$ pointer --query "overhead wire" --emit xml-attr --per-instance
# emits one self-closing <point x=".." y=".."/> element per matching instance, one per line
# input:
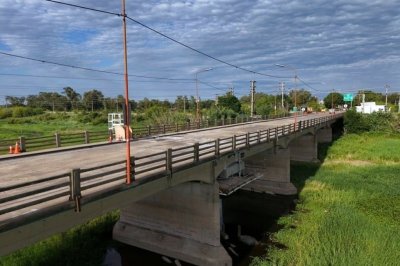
<point x="84" y="68"/>
<point x="170" y="38"/>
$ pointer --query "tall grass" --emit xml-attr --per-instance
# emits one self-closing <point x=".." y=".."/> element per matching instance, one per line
<point x="349" y="211"/>
<point x="83" y="245"/>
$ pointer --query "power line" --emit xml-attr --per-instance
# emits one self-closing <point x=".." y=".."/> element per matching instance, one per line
<point x="84" y="68"/>
<point x="170" y="38"/>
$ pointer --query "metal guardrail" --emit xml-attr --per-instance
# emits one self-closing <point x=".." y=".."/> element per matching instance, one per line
<point x="69" y="139"/>
<point x="72" y="186"/>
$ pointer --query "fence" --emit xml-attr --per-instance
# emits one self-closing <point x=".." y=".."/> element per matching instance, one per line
<point x="72" y="186"/>
<point x="69" y="139"/>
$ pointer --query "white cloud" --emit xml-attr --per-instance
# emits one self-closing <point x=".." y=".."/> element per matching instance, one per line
<point x="325" y="40"/>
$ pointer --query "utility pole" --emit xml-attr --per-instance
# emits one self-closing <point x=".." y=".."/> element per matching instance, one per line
<point x="252" y="96"/>
<point x="127" y="109"/>
<point x="184" y="104"/>
<point x="386" y="96"/>
<point x="282" y="89"/>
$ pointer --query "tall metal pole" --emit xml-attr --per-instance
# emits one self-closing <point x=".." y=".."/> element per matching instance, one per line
<point x="252" y="97"/>
<point x="282" y="88"/>
<point x="127" y="109"/>
<point x="197" y="101"/>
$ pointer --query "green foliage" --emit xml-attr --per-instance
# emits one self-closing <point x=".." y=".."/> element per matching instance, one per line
<point x="83" y="245"/>
<point x="229" y="101"/>
<point x="376" y="122"/>
<point x="26" y="111"/>
<point x="335" y="98"/>
<point x="348" y="212"/>
<point x="5" y="112"/>
<point x="220" y="113"/>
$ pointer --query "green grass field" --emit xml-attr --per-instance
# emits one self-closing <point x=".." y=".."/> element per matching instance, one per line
<point x="348" y="211"/>
<point x="45" y="125"/>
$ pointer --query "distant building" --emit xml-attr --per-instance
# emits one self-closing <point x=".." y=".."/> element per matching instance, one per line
<point x="369" y="107"/>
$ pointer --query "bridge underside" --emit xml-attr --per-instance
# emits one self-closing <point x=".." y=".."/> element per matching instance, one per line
<point x="181" y="222"/>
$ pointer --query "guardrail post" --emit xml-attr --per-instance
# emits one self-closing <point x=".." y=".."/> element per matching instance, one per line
<point x="207" y="123"/>
<point x="187" y="125"/>
<point x="268" y="135"/>
<point x="58" y="140"/>
<point x="234" y="142"/>
<point x="177" y="127"/>
<point x="276" y="133"/>
<point x="196" y="152"/>
<point x="148" y="130"/>
<point x="133" y="165"/>
<point x="86" y="136"/>
<point x="236" y="120"/>
<point x="111" y="134"/>
<point x="217" y="147"/>
<point x="22" y="143"/>
<point x="168" y="162"/>
<point x="223" y="121"/>
<point x="215" y="122"/>
<point x="247" y="140"/>
<point x="259" y="136"/>
<point x="163" y="129"/>
<point x="75" y="188"/>
<point x="300" y="126"/>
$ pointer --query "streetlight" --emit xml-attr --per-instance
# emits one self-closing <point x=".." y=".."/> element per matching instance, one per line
<point x="295" y="85"/>
<point x="197" y="93"/>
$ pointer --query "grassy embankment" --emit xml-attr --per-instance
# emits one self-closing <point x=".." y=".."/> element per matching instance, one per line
<point x="48" y="124"/>
<point x="83" y="245"/>
<point x="349" y="211"/>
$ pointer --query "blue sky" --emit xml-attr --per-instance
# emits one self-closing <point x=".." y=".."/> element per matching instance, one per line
<point x="334" y="45"/>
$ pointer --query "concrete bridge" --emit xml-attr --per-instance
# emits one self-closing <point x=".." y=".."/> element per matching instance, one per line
<point x="173" y="205"/>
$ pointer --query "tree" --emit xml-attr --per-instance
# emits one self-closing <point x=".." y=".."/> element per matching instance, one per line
<point x="93" y="100"/>
<point x="15" y="101"/>
<point x="229" y="101"/>
<point x="72" y="96"/>
<point x="334" y="98"/>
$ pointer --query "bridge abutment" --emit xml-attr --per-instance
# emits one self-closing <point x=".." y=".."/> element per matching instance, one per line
<point x="274" y="166"/>
<point x="182" y="222"/>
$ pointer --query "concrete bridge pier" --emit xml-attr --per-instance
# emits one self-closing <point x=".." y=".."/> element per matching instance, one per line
<point x="274" y="166"/>
<point x="304" y="149"/>
<point x="182" y="222"/>
<point x="324" y="135"/>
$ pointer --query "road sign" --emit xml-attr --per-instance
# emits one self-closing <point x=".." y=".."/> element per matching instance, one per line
<point x="348" y="97"/>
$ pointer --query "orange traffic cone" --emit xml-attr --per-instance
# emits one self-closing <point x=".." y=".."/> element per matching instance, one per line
<point x="11" y="150"/>
<point x="17" y="150"/>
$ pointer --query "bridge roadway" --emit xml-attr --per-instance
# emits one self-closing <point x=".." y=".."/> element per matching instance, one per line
<point x="23" y="168"/>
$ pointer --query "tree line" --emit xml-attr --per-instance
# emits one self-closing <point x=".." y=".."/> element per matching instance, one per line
<point x="225" y="105"/>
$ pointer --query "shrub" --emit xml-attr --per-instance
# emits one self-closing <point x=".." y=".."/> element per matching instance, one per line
<point x="5" y="112"/>
<point x="376" y="122"/>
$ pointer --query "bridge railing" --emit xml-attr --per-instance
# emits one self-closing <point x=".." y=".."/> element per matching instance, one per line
<point x="70" y="187"/>
<point x="58" y="140"/>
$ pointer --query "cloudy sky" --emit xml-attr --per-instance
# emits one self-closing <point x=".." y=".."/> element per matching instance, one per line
<point x="333" y="45"/>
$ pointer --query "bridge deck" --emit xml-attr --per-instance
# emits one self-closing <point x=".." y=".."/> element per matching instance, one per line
<point x="20" y="169"/>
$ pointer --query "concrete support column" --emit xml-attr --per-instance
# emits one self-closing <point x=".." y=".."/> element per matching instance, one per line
<point x="181" y="222"/>
<point x="274" y="167"/>
<point x="324" y="135"/>
<point x="304" y="149"/>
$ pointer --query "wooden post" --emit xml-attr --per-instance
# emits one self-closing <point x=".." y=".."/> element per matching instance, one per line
<point x="58" y="140"/>
<point x="133" y="174"/>
<point x="234" y="142"/>
<point x="268" y="135"/>
<point x="163" y="130"/>
<point x="148" y="130"/>
<point x="259" y="136"/>
<point x="247" y="140"/>
<point x="22" y="143"/>
<point x="177" y="127"/>
<point x="86" y="136"/>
